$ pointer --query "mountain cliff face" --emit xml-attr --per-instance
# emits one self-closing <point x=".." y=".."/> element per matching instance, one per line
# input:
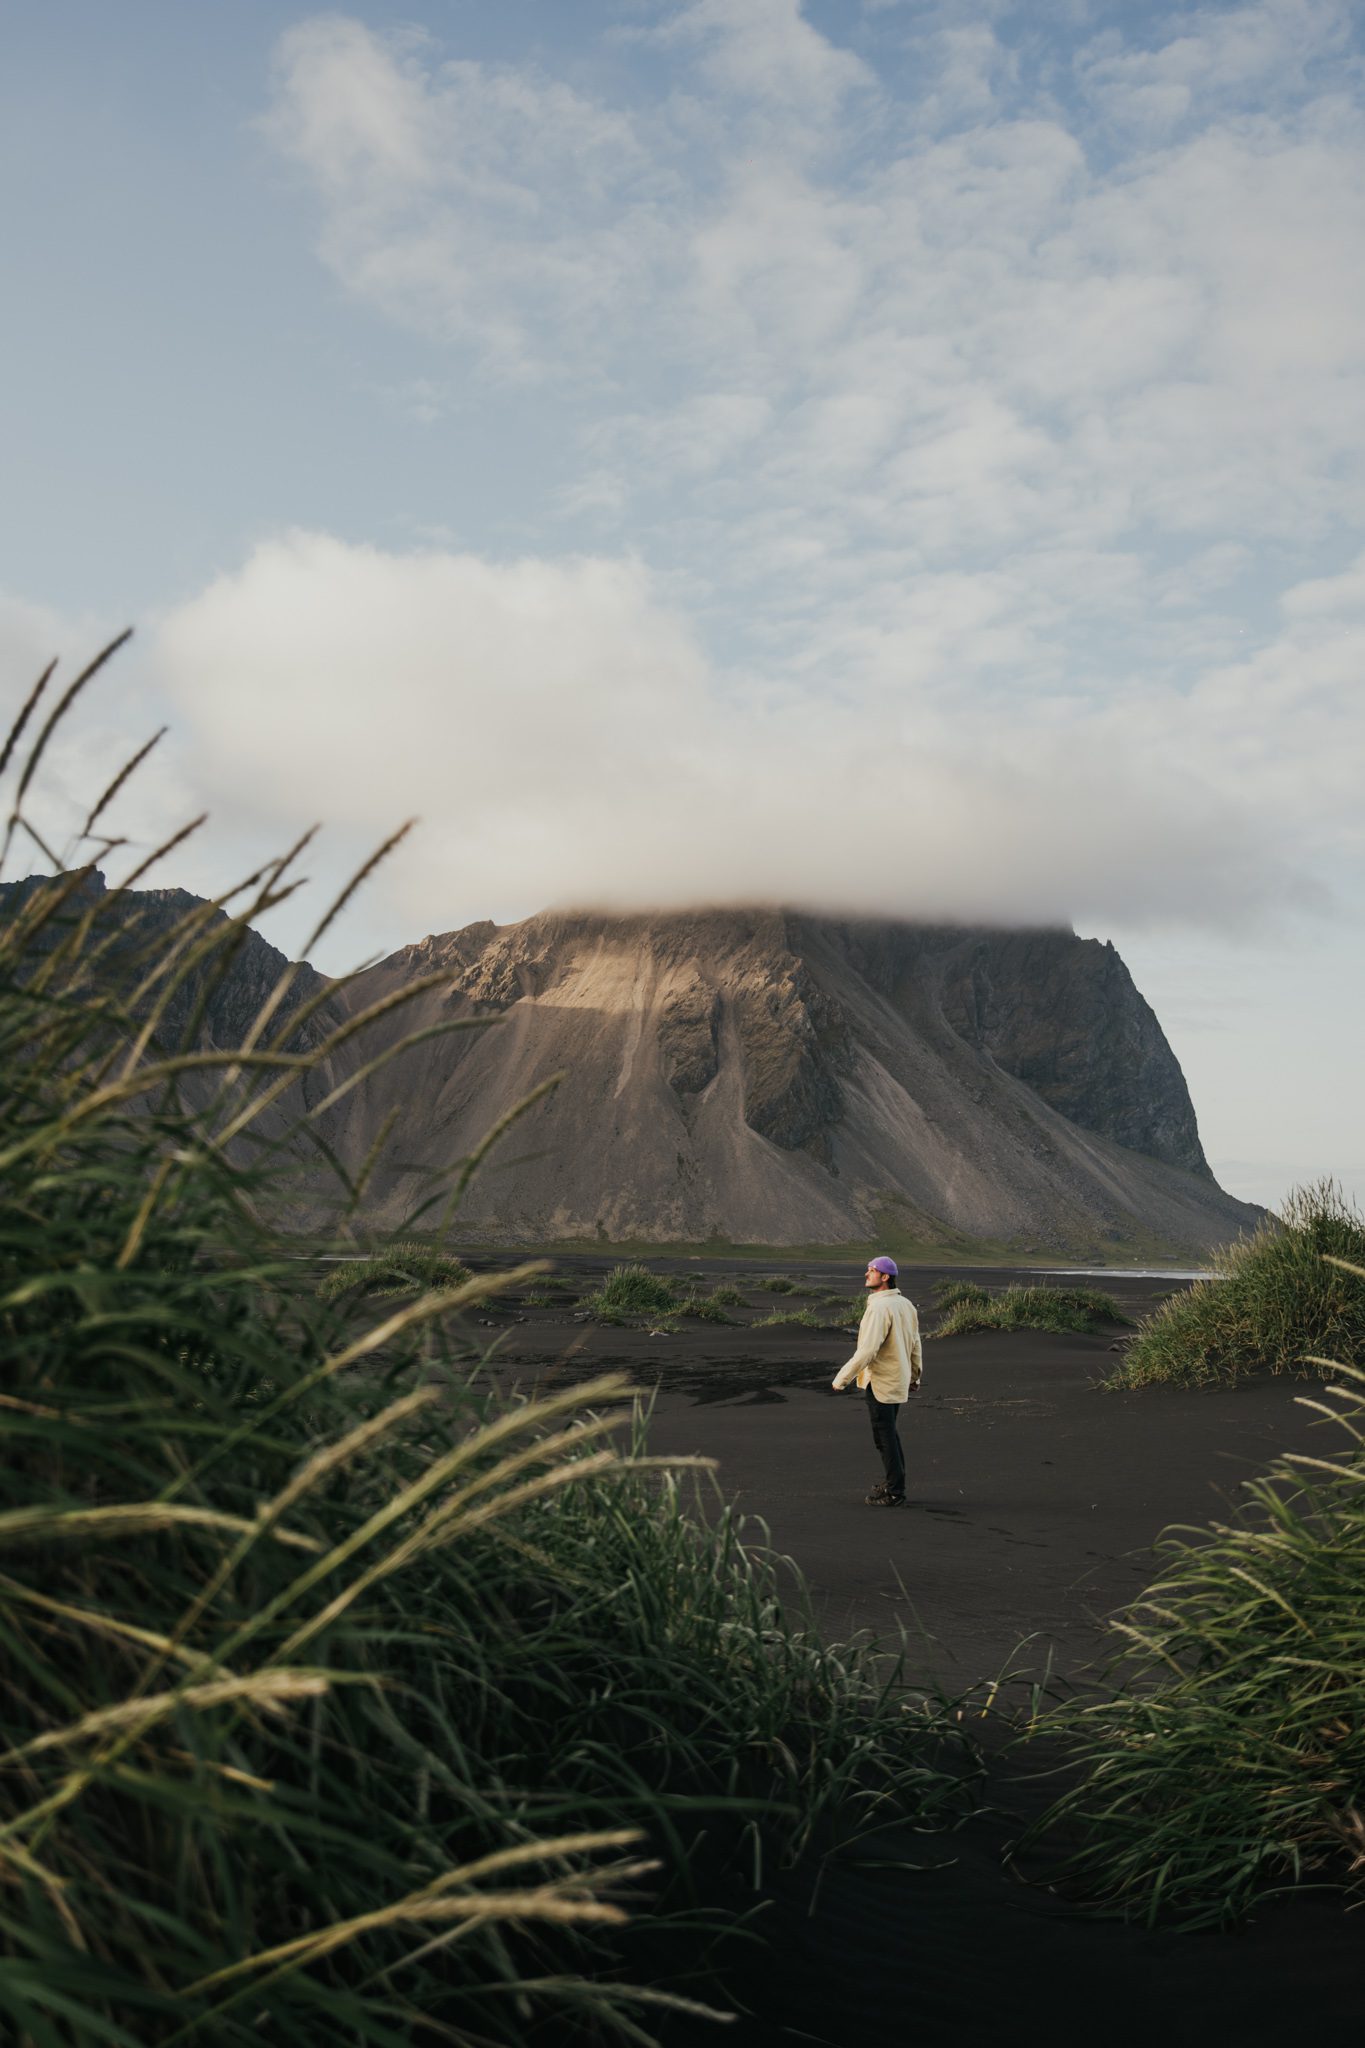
<point x="216" y="997"/>
<point x="761" y="1077"/>
<point x="773" y="1077"/>
<point x="160" y="953"/>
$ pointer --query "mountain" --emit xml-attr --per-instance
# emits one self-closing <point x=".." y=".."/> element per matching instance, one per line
<point x="160" y="953"/>
<point x="760" y="1077"/>
<point x="771" y="1077"/>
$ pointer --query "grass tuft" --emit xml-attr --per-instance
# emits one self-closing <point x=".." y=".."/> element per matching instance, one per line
<point x="957" y="1293"/>
<point x="1277" y="1303"/>
<point x="632" y="1290"/>
<point x="1228" y="1763"/>
<point x="797" y="1319"/>
<point x="401" y="1268"/>
<point x="704" y="1307"/>
<point x="1079" y="1309"/>
<point x="342" y="1700"/>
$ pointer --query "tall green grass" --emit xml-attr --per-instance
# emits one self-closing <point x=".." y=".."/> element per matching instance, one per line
<point x="1229" y="1762"/>
<point x="1079" y="1309"/>
<point x="403" y="1267"/>
<point x="1279" y="1299"/>
<point x="341" y="1703"/>
<point x="953" y="1293"/>
<point x="633" y="1290"/>
<point x="704" y="1308"/>
<point x="803" y="1319"/>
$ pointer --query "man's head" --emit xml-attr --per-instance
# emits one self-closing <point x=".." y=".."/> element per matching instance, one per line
<point x="881" y="1273"/>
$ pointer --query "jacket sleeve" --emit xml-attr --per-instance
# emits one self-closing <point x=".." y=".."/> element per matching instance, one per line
<point x="917" y="1356"/>
<point x="871" y="1336"/>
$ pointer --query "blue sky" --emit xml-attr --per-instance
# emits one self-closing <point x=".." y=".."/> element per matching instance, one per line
<point x="886" y="456"/>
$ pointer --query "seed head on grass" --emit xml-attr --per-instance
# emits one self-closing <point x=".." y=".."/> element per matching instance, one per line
<point x="525" y="1652"/>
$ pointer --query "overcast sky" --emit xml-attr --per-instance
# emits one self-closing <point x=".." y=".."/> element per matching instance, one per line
<point x="872" y="454"/>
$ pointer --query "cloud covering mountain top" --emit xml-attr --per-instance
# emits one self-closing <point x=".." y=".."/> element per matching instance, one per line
<point x="565" y="739"/>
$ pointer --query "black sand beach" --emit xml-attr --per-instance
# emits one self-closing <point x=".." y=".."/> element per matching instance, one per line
<point x="1036" y="1498"/>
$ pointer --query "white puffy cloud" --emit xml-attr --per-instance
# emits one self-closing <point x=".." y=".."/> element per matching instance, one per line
<point x="982" y="335"/>
<point x="566" y="739"/>
<point x="991" y="416"/>
<point x="1213" y="58"/>
<point x="110" y="720"/>
<point x="766" y="50"/>
<point x="470" y="201"/>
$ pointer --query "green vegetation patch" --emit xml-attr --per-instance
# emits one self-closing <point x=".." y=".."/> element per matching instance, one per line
<point x="401" y="1268"/>
<point x="350" y="1706"/>
<point x="957" y="1293"/>
<point x="1228" y="1763"/>
<point x="704" y="1308"/>
<point x="632" y="1290"/>
<point x="1279" y="1306"/>
<point x="795" y="1319"/>
<point x="1080" y="1309"/>
<point x="727" y="1297"/>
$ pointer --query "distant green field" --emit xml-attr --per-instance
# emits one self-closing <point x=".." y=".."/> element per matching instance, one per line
<point x="951" y="1253"/>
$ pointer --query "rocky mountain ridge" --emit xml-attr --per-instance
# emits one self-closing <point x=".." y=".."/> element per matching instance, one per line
<point x="766" y="1077"/>
<point x="774" y="1077"/>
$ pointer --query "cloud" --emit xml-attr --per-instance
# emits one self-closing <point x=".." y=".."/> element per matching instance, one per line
<point x="566" y="739"/>
<point x="469" y="201"/>
<point x="1007" y="412"/>
<point x="767" y="51"/>
<point x="1212" y="59"/>
<point x="112" y="718"/>
<point x="31" y="636"/>
<point x="968" y="65"/>
<point x="1025" y="336"/>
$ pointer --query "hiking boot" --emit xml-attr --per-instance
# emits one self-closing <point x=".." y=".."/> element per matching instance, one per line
<point x="882" y="1499"/>
<point x="877" y="1495"/>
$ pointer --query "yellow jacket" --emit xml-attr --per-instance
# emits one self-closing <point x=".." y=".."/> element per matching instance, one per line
<point x="889" y="1357"/>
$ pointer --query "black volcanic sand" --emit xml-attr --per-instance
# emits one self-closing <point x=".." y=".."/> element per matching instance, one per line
<point x="1034" y="1495"/>
<point x="1036" y="1498"/>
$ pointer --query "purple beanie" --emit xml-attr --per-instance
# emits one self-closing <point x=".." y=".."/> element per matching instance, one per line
<point x="887" y="1266"/>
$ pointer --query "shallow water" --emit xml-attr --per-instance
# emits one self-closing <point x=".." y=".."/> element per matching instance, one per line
<point x="1123" y="1272"/>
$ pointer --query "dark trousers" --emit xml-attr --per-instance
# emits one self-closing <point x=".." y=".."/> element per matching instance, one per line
<point x="883" y="1417"/>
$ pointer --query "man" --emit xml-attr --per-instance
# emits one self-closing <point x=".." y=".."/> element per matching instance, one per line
<point x="889" y="1365"/>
